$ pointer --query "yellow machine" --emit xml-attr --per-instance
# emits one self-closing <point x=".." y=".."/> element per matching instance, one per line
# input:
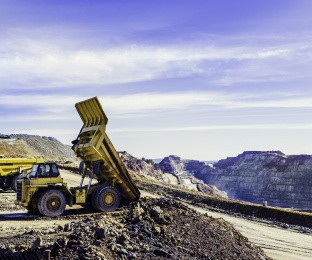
<point x="12" y="168"/>
<point x="43" y="189"/>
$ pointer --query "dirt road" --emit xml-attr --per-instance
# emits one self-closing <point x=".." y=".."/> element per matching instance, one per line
<point x="278" y="243"/>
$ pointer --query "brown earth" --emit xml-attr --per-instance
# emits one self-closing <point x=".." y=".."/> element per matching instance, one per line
<point x="153" y="228"/>
<point x="18" y="232"/>
<point x="149" y="229"/>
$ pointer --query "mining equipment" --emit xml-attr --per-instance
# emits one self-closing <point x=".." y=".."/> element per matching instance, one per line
<point x="12" y="168"/>
<point x="44" y="190"/>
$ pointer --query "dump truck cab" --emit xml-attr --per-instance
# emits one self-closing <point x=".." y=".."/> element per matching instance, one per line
<point x="32" y="189"/>
<point x="44" y="170"/>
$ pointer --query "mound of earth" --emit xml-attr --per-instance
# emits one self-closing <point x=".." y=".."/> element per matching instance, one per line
<point x="149" y="229"/>
<point x="33" y="146"/>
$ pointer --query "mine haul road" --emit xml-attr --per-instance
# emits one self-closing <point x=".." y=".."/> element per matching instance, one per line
<point x="277" y="242"/>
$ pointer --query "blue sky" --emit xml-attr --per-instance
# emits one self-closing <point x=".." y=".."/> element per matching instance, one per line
<point x="200" y="79"/>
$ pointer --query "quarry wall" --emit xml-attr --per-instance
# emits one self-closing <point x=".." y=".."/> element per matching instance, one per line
<point x="256" y="176"/>
<point x="281" y="180"/>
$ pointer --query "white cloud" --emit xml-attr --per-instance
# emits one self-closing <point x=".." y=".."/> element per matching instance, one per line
<point x="57" y="132"/>
<point x="215" y="127"/>
<point x="59" y="107"/>
<point x="273" y="53"/>
<point x="32" y="63"/>
<point x="186" y="101"/>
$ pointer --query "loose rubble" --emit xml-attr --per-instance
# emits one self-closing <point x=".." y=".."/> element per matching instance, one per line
<point x="148" y="229"/>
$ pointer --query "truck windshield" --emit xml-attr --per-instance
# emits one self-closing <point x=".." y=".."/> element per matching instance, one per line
<point x="33" y="171"/>
<point x="54" y="171"/>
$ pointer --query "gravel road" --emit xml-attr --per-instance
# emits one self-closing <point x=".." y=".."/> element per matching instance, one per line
<point x="278" y="243"/>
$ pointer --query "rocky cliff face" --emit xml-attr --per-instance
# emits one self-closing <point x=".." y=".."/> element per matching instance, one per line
<point x="186" y="171"/>
<point x="142" y="168"/>
<point x="176" y="165"/>
<point x="281" y="180"/>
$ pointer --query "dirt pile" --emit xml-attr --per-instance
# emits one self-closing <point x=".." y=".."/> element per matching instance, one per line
<point x="149" y="229"/>
<point x="32" y="146"/>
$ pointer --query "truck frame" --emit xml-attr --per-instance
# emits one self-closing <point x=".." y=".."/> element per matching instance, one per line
<point x="44" y="190"/>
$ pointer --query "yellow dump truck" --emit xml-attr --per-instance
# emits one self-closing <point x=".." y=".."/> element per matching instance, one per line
<point x="12" y="168"/>
<point x="43" y="188"/>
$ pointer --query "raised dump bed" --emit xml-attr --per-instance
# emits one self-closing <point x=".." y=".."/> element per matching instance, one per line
<point x="93" y="145"/>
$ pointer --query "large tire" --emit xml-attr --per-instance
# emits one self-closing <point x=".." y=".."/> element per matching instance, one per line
<point x="94" y="196"/>
<point x="13" y="181"/>
<point x="51" y="203"/>
<point x="105" y="198"/>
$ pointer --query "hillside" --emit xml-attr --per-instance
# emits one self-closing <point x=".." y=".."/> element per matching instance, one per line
<point x="33" y="146"/>
<point x="146" y="168"/>
<point x="50" y="149"/>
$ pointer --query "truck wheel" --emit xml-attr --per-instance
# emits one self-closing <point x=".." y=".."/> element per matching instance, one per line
<point x="106" y="198"/>
<point x="13" y="182"/>
<point x="94" y="196"/>
<point x="51" y="203"/>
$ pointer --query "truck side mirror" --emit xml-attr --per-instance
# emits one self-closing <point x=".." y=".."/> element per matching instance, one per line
<point x="81" y="167"/>
<point x="96" y="168"/>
